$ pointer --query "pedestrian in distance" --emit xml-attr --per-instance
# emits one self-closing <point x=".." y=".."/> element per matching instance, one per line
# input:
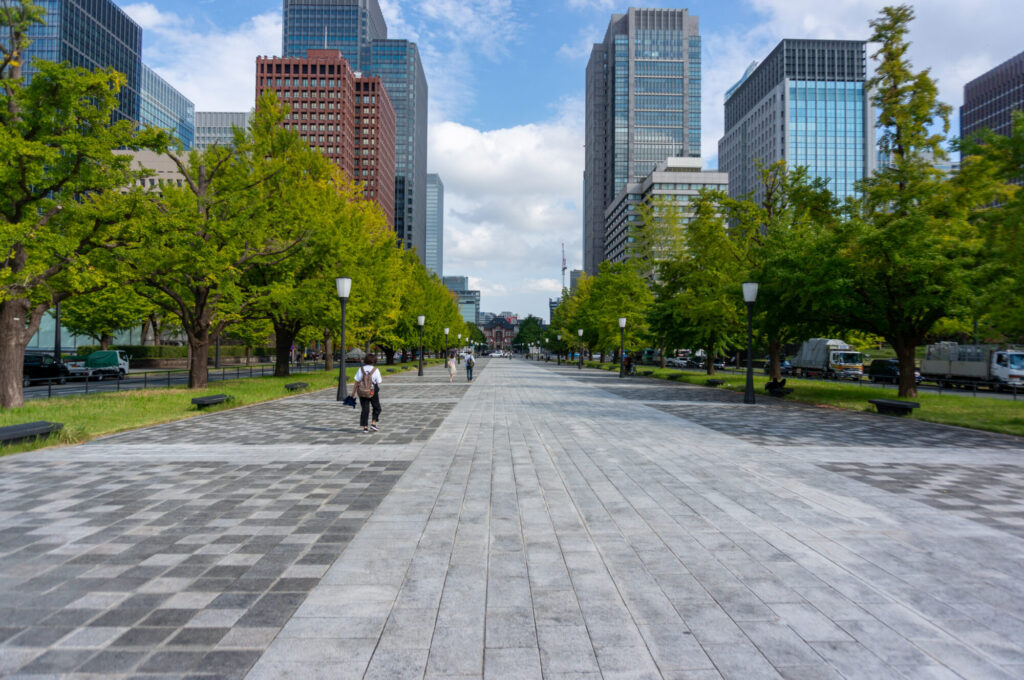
<point x="451" y="367"/>
<point x="366" y="385"/>
<point x="470" y="362"/>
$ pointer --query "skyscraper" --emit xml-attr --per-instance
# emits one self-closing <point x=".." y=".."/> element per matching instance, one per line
<point x="163" y="106"/>
<point x="94" y="34"/>
<point x="357" y="28"/>
<point x="397" y="63"/>
<point x="643" y="106"/>
<point x="991" y="98"/>
<point x="215" y="127"/>
<point x="346" y="116"/>
<point x="435" y="224"/>
<point x="807" y="104"/>
<point x="345" y="25"/>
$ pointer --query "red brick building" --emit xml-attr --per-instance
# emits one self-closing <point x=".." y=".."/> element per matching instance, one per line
<point x="344" y="115"/>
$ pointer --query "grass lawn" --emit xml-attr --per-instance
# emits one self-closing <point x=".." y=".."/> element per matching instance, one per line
<point x="100" y="413"/>
<point x="980" y="413"/>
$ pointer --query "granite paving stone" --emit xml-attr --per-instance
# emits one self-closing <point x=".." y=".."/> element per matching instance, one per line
<point x="652" y="530"/>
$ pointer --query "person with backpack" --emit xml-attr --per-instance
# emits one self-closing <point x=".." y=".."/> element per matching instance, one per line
<point x="470" y="362"/>
<point x="366" y="385"/>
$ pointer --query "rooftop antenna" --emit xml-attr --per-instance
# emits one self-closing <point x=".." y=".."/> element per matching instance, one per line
<point x="563" y="264"/>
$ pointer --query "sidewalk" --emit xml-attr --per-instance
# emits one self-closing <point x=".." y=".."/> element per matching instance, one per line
<point x="540" y="522"/>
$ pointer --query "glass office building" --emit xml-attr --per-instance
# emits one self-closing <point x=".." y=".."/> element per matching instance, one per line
<point x="807" y="104"/>
<point x="397" y="63"/>
<point x="643" y="106"/>
<point x="345" y="25"/>
<point x="215" y="127"/>
<point x="991" y="98"/>
<point x="435" y="224"/>
<point x="94" y="34"/>
<point x="164" y="107"/>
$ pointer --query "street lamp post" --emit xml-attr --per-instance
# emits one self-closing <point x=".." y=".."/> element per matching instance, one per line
<point x="446" y="345"/>
<point x="749" y="296"/>
<point x="559" y="349"/>
<point x="580" y="333"/>
<point x="420" y="320"/>
<point x="622" y="346"/>
<point x="344" y="285"/>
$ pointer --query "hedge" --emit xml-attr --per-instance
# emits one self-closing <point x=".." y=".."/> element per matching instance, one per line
<point x="175" y="351"/>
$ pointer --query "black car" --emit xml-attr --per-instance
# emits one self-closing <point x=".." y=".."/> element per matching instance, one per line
<point x="42" y="368"/>
<point x="785" y="367"/>
<point x="888" y="370"/>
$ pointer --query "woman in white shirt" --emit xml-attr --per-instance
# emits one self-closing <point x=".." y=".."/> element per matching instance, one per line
<point x="369" y="369"/>
<point x="451" y="367"/>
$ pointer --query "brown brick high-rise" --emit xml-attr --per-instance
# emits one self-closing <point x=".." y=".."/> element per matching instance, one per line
<point x="345" y="116"/>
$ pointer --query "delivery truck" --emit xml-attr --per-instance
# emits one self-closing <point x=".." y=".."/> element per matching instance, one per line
<point x="104" y="363"/>
<point x="951" y="364"/>
<point x="829" y="358"/>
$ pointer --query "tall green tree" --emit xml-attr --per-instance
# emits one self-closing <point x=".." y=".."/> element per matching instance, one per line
<point x="531" y="330"/>
<point x="619" y="291"/>
<point x="906" y="254"/>
<point x="103" y="313"/>
<point x="60" y="208"/>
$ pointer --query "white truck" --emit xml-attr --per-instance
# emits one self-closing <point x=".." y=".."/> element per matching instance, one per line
<point x="951" y="364"/>
<point x="108" y="363"/>
<point x="829" y="358"/>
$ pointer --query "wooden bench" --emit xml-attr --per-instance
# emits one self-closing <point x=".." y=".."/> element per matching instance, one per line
<point x="210" y="400"/>
<point x="646" y="372"/>
<point x="291" y="387"/>
<point x="777" y="388"/>
<point x="714" y="382"/>
<point x="16" y="433"/>
<point x="893" y="407"/>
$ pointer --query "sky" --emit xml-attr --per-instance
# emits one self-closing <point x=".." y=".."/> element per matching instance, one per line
<point x="507" y="91"/>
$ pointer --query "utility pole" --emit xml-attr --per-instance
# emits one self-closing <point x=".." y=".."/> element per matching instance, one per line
<point x="563" y="265"/>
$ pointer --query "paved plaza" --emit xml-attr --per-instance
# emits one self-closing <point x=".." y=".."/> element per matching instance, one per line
<point x="540" y="522"/>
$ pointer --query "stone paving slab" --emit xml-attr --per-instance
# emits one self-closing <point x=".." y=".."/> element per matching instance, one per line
<point x="556" y="524"/>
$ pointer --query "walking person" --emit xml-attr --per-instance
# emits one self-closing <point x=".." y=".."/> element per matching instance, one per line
<point x="469" y="366"/>
<point x="451" y="367"/>
<point x="366" y="384"/>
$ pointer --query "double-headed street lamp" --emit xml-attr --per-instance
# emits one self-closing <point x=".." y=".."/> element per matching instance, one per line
<point x="344" y="286"/>
<point x="580" y="333"/>
<point x="622" y="346"/>
<point x="559" y="349"/>
<point x="749" y="296"/>
<point x="420" y="320"/>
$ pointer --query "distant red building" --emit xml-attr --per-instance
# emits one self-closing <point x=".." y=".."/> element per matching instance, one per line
<point x="344" y="115"/>
<point x="500" y="331"/>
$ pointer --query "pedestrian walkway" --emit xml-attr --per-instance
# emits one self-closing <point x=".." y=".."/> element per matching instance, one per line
<point x="540" y="522"/>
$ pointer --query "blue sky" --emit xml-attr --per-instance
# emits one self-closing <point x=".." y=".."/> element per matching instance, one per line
<point x="506" y="81"/>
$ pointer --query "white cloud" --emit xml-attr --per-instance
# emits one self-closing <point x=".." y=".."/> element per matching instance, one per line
<point x="581" y="47"/>
<point x="215" y="68"/>
<point x="591" y="4"/>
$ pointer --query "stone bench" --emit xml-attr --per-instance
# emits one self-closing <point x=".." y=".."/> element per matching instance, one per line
<point x="291" y="387"/>
<point x="210" y="400"/>
<point x="714" y="382"/>
<point x="894" y="407"/>
<point x="17" y="433"/>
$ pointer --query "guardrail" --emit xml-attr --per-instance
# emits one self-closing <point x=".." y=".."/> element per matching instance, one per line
<point x="153" y="379"/>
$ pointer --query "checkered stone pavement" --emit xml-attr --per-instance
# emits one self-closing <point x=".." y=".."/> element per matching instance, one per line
<point x="990" y="494"/>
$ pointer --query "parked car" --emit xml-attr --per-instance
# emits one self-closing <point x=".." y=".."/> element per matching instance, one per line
<point x="786" y="367"/>
<point x="676" y="362"/>
<point x="888" y="370"/>
<point x="42" y="367"/>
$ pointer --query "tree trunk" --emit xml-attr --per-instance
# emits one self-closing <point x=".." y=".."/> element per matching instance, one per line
<point x="906" y="353"/>
<point x="664" y="349"/>
<point x="199" y="355"/>
<point x="389" y="352"/>
<point x="13" y="340"/>
<point x="105" y="341"/>
<point x="283" y="339"/>
<point x="328" y="351"/>
<point x="775" y="358"/>
<point x="709" y="360"/>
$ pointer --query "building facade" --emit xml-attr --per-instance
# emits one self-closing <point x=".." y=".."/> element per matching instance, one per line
<point x="94" y="34"/>
<point x="991" y="98"/>
<point x="397" y="63"/>
<point x="434" y="253"/>
<point x="216" y="127"/>
<point x="643" y="99"/>
<point x="164" y="107"/>
<point x="345" y="25"/>
<point x="675" y="182"/>
<point x="806" y="104"/>
<point x="467" y="300"/>
<point x="346" y="117"/>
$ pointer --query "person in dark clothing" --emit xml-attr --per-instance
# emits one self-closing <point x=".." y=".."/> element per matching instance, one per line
<point x="370" y="372"/>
